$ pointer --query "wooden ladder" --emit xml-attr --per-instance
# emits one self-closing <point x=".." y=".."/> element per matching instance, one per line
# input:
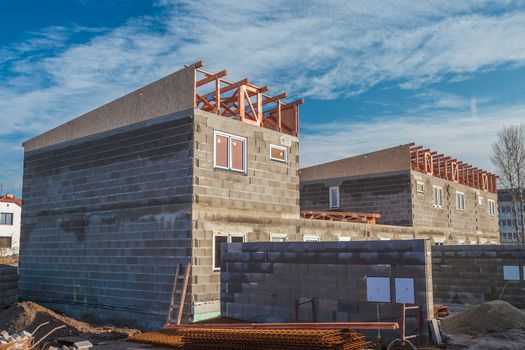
<point x="178" y="295"/>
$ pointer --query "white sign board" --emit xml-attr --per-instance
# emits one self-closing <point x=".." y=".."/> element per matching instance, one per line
<point x="511" y="273"/>
<point x="378" y="289"/>
<point x="405" y="291"/>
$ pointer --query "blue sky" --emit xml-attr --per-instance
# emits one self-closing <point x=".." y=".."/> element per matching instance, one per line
<point x="373" y="73"/>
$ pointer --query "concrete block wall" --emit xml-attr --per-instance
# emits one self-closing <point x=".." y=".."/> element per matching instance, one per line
<point x="474" y="274"/>
<point x="386" y="193"/>
<point x="106" y="220"/>
<point x="8" y="285"/>
<point x="263" y="281"/>
<point x="448" y="225"/>
<point x="232" y="203"/>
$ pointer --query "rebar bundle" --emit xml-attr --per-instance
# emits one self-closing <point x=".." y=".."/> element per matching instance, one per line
<point x="255" y="339"/>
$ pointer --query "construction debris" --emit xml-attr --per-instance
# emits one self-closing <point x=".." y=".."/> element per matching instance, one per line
<point x="255" y="339"/>
<point x="441" y="310"/>
<point x="28" y="316"/>
<point x="492" y="317"/>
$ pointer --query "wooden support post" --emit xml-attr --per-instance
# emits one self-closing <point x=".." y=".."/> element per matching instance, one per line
<point x="241" y="110"/>
<point x="218" y="96"/>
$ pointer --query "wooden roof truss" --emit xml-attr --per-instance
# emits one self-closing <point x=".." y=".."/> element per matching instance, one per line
<point x="448" y="168"/>
<point x="244" y="101"/>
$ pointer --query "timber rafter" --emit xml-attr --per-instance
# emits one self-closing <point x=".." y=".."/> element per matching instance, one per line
<point x="426" y="161"/>
<point x="245" y="102"/>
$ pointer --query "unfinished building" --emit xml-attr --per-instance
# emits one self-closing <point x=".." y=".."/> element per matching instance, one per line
<point x="115" y="199"/>
<point x="438" y="196"/>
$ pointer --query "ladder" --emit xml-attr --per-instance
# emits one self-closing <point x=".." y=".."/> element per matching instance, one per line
<point x="178" y="295"/>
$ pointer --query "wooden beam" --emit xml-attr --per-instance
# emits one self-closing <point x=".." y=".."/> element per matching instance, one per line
<point x="211" y="78"/>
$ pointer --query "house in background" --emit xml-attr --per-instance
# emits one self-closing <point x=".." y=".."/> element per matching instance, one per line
<point x="439" y="196"/>
<point x="10" y="212"/>
<point x="508" y="223"/>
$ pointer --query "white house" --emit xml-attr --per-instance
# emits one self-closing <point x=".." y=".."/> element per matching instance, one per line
<point x="10" y="215"/>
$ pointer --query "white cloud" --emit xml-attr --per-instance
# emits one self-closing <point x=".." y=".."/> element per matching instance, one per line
<point x="464" y="135"/>
<point x="317" y="48"/>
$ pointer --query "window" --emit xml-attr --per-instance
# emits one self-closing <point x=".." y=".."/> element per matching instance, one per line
<point x="5" y="242"/>
<point x="420" y="187"/>
<point x="311" y="239"/>
<point x="223" y="238"/>
<point x="460" y="201"/>
<point x="492" y="207"/>
<point x="279" y="153"/>
<point x="278" y="237"/>
<point x="481" y="201"/>
<point x="438" y="197"/>
<point x="6" y="218"/>
<point x="334" y="197"/>
<point x="229" y="152"/>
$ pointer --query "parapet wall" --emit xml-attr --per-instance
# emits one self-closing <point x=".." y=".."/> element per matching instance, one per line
<point x="347" y="281"/>
<point x="477" y="274"/>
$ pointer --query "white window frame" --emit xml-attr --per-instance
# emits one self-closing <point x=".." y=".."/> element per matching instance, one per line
<point x="330" y="197"/>
<point x="282" y="148"/>
<point x="230" y="138"/>
<point x="6" y="215"/>
<point x="481" y="201"/>
<point x="424" y="187"/>
<point x="440" y="204"/>
<point x="344" y="238"/>
<point x="228" y="240"/>
<point x="460" y="201"/>
<point x="278" y="236"/>
<point x="491" y="204"/>
<point x="311" y="238"/>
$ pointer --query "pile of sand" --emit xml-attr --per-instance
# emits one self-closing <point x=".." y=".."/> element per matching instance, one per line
<point x="492" y="317"/>
<point x="27" y="316"/>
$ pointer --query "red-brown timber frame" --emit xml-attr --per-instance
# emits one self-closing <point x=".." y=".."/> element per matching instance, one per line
<point x="245" y="102"/>
<point x="448" y="168"/>
<point x="366" y="218"/>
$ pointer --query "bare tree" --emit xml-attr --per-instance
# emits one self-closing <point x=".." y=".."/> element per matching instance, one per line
<point x="509" y="159"/>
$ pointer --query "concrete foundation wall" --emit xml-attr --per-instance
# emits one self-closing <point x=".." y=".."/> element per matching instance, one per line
<point x="106" y="220"/>
<point x="448" y="225"/>
<point x="388" y="194"/>
<point x="475" y="274"/>
<point x="263" y="281"/>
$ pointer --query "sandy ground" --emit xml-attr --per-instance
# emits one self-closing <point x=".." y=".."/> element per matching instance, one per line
<point x="508" y="340"/>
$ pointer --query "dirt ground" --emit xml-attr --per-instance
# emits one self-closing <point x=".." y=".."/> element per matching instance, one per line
<point x="496" y="325"/>
<point x="28" y="316"/>
<point x="492" y="326"/>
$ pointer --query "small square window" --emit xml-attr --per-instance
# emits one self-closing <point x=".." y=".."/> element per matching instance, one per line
<point x="278" y="237"/>
<point x="420" y="187"/>
<point x="334" y="197"/>
<point x="279" y="153"/>
<point x="481" y="201"/>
